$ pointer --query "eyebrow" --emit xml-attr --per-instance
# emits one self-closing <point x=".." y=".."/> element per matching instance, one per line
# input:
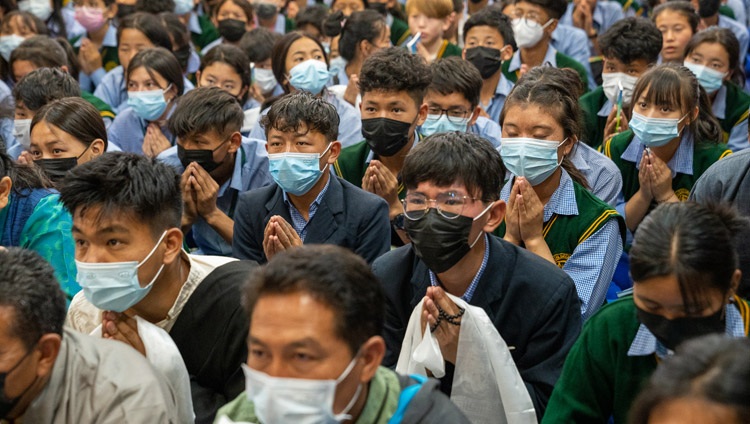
<point x="304" y="342"/>
<point x="106" y="230"/>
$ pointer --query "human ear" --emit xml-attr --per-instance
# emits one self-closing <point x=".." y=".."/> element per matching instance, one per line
<point x="371" y="354"/>
<point x="235" y="141"/>
<point x="5" y="186"/>
<point x="497" y="216"/>
<point x="334" y="151"/>
<point x="173" y="240"/>
<point x="48" y="347"/>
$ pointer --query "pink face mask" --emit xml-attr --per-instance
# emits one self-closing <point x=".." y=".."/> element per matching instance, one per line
<point x="90" y="18"/>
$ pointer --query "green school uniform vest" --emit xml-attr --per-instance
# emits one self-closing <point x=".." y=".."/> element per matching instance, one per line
<point x="208" y="34"/>
<point x="704" y="155"/>
<point x="399" y="32"/>
<point x="563" y="61"/>
<point x="104" y="109"/>
<point x="738" y="104"/>
<point x="563" y="233"/>
<point x="110" y="59"/>
<point x="448" y="49"/>
<point x="352" y="164"/>
<point x="289" y="25"/>
<point x="593" y="130"/>
<point x="726" y="11"/>
<point x="631" y="5"/>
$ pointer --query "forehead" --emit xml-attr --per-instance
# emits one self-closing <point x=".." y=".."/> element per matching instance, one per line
<point x="484" y="31"/>
<point x="530" y="115"/>
<point x="222" y="70"/>
<point x="671" y="17"/>
<point x="303" y="45"/>
<point x="711" y="49"/>
<point x="291" y="133"/>
<point x="429" y="189"/>
<point x="287" y="317"/>
<point x="132" y="35"/>
<point x="386" y="97"/>
<point x="95" y="218"/>
<point x="446" y="100"/>
<point x="530" y="7"/>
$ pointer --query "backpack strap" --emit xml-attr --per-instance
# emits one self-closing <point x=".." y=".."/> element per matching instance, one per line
<point x="407" y="394"/>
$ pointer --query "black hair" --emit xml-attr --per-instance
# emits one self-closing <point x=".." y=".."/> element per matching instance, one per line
<point x="42" y="51"/>
<point x="313" y="15"/>
<point x="445" y="158"/>
<point x="726" y="38"/>
<point x="713" y="368"/>
<point x="554" y="8"/>
<point x="363" y="25"/>
<point x="281" y="50"/>
<point x="301" y="109"/>
<point x="492" y="17"/>
<point x="557" y="91"/>
<point x="44" y="85"/>
<point x="180" y="37"/>
<point x="691" y="241"/>
<point x="29" y="288"/>
<point x="206" y="109"/>
<point x="29" y="20"/>
<point x="74" y="116"/>
<point x="161" y="61"/>
<point x="57" y="20"/>
<point x="154" y="7"/>
<point x="455" y="75"/>
<point x="235" y="58"/>
<point x="74" y="65"/>
<point x="125" y="183"/>
<point x="242" y="4"/>
<point x="708" y="8"/>
<point x="258" y="44"/>
<point x="147" y="24"/>
<point x="675" y="86"/>
<point x="24" y="178"/>
<point x="681" y="7"/>
<point x="331" y="275"/>
<point x="631" y="39"/>
<point x="395" y="69"/>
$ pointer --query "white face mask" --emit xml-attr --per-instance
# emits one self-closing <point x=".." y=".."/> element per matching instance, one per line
<point x="42" y="9"/>
<point x="611" y="85"/>
<point x="528" y="33"/>
<point x="294" y="400"/>
<point x="22" y="132"/>
<point x="265" y="80"/>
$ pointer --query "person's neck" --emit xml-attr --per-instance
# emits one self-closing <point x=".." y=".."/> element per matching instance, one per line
<point x="711" y="20"/>
<point x="434" y="46"/>
<point x="16" y="414"/>
<point x="97" y="37"/>
<point x="667" y="151"/>
<point x="354" y="66"/>
<point x="359" y="405"/>
<point x="712" y="96"/>
<point x="302" y="203"/>
<point x="396" y="162"/>
<point x="546" y="188"/>
<point x="224" y="172"/>
<point x="458" y="279"/>
<point x="476" y="7"/>
<point x="489" y="87"/>
<point x="156" y="305"/>
<point x="534" y="56"/>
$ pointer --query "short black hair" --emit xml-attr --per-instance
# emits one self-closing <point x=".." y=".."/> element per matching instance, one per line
<point x="180" y="36"/>
<point x="42" y="51"/>
<point x="258" y="44"/>
<point x="235" y="58"/>
<point x="682" y="7"/>
<point x="455" y="75"/>
<point x="29" y="287"/>
<point x="125" y="183"/>
<point x="395" y="69"/>
<point x="631" y="39"/>
<point x="161" y="61"/>
<point x="362" y="25"/>
<point x="331" y="275"/>
<point x="293" y="111"/>
<point x="43" y="85"/>
<point x="708" y="8"/>
<point x="449" y="157"/>
<point x="554" y="8"/>
<point x="493" y="17"/>
<point x="75" y="116"/>
<point x="313" y="15"/>
<point x="206" y="109"/>
<point x="147" y="24"/>
<point x="154" y="6"/>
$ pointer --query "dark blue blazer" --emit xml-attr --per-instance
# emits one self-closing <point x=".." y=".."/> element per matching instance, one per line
<point x="347" y="216"/>
<point x="532" y="303"/>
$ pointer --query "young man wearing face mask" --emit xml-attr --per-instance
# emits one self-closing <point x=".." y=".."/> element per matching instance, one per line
<point x="216" y="164"/>
<point x="48" y="374"/>
<point x="629" y="48"/>
<point x="393" y="83"/>
<point x="270" y="17"/>
<point x="126" y="212"/>
<point x="308" y="204"/>
<point x="453" y="181"/>
<point x="533" y="23"/>
<point x="316" y="317"/>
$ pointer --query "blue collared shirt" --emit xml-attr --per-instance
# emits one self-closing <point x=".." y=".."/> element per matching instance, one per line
<point x="475" y="281"/>
<point x="250" y="172"/>
<point x="212" y="44"/>
<point x="487" y="129"/>
<point x="89" y="82"/>
<point x="603" y="176"/>
<point x="194" y="25"/>
<point x="128" y="130"/>
<point x="593" y="262"/>
<point x="549" y="57"/>
<point x="573" y="42"/>
<point x="298" y="221"/>
<point x="497" y="102"/>
<point x="606" y="13"/>
<point x="645" y="343"/>
<point x="113" y="90"/>
<point x="738" y="136"/>
<point x="740" y="31"/>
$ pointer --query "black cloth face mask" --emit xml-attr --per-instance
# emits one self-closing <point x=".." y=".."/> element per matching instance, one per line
<point x="7" y="404"/>
<point x="203" y="157"/>
<point x="386" y="136"/>
<point x="56" y="169"/>
<point x="672" y="332"/>
<point x="232" y="29"/>
<point x="485" y="59"/>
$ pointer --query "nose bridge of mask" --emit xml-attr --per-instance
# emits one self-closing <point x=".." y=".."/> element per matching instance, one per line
<point x="152" y="250"/>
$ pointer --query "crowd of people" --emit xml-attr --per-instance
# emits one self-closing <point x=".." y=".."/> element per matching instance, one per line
<point x="374" y="211"/>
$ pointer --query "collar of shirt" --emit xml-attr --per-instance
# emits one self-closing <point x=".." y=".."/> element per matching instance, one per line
<point x="606" y="109"/>
<point x="578" y="157"/>
<point x="343" y="77"/>
<point x="681" y="162"/>
<point x="110" y="38"/>
<point x="645" y="343"/>
<point x="719" y="107"/>
<point x="549" y="57"/>
<point x="389" y="19"/>
<point x="194" y="25"/>
<point x="298" y="221"/>
<point x="280" y="26"/>
<point x="236" y="181"/>
<point x="473" y="286"/>
<point x="598" y="16"/>
<point x="371" y="155"/>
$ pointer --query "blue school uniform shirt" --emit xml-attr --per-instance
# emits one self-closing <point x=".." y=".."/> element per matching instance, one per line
<point x="605" y="14"/>
<point x="495" y="106"/>
<point x="128" y="130"/>
<point x="738" y="136"/>
<point x="90" y="82"/>
<point x="211" y="45"/>
<point x="603" y="176"/>
<point x="740" y="31"/>
<point x="113" y="91"/>
<point x="573" y="42"/>
<point x="251" y="171"/>
<point x="489" y="130"/>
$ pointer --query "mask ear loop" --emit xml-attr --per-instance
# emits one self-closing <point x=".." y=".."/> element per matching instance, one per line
<point x="558" y="146"/>
<point x="471" y="246"/>
<point x="152" y="250"/>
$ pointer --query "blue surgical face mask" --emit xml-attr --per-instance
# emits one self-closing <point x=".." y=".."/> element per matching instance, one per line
<point x="530" y="158"/>
<point x="311" y="75"/>
<point x="710" y="79"/>
<point x="149" y="105"/>
<point x="296" y="173"/>
<point x="654" y="132"/>
<point x="440" y="124"/>
<point x="8" y="43"/>
<point x="182" y="7"/>
<point x="114" y="286"/>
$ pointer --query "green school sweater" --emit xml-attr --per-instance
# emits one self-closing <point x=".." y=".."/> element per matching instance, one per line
<point x="563" y="233"/>
<point x="599" y="379"/>
<point x="704" y="155"/>
<point x="352" y="164"/>
<point x="399" y="32"/>
<point x="208" y="34"/>
<point x="593" y="130"/>
<point x="562" y="60"/>
<point x="448" y="49"/>
<point x="738" y="104"/>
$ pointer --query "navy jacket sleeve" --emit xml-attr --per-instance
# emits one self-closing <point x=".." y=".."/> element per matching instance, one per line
<point x="247" y="242"/>
<point x="374" y="235"/>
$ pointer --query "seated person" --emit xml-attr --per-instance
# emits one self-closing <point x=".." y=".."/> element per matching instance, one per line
<point x="126" y="212"/>
<point x="308" y="204"/>
<point x="488" y="42"/>
<point x="685" y="271"/>
<point x="216" y="163"/>
<point x="258" y="45"/>
<point x="430" y="19"/>
<point x="324" y="302"/>
<point x="453" y="182"/>
<point x="629" y="48"/>
<point x="594" y="17"/>
<point x="393" y="83"/>
<point x="202" y="30"/>
<point x="678" y="21"/>
<point x="51" y="374"/>
<point x="453" y="101"/>
<point x="534" y="21"/>
<point x="708" y="10"/>
<point x="232" y="18"/>
<point x="97" y="48"/>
